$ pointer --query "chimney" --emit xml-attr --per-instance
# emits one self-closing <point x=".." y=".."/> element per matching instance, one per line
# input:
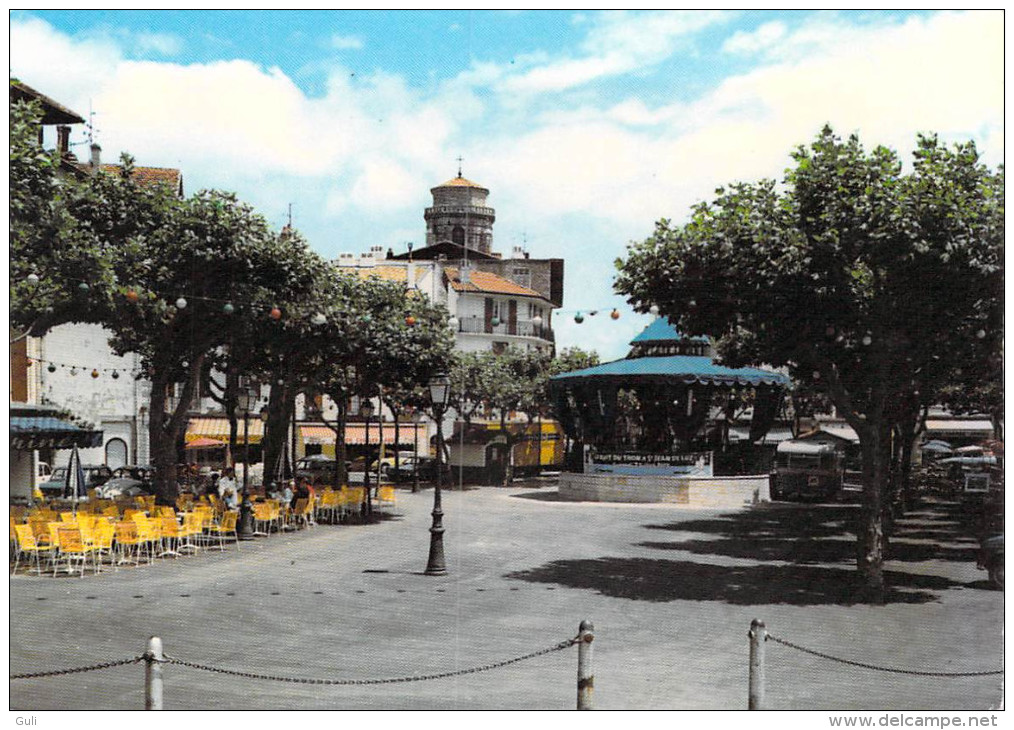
<point x="96" y="157"/>
<point x="62" y="140"/>
<point x="517" y="253"/>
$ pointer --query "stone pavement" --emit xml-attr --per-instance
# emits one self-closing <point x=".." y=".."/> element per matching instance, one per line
<point x="671" y="592"/>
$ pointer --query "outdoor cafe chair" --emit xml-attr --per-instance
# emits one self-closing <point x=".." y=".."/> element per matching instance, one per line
<point x="72" y="548"/>
<point x="227" y="526"/>
<point x="386" y="497"/>
<point x="171" y="536"/>
<point x="26" y="545"/>
<point x="127" y="542"/>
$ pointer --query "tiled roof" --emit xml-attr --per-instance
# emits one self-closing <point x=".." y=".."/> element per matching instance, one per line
<point x="483" y="281"/>
<point x="152" y="175"/>
<point x="687" y="368"/>
<point x="460" y="182"/>
<point x="397" y="274"/>
<point x="53" y="112"/>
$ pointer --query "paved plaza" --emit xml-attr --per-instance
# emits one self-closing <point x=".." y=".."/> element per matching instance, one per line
<point x="671" y="592"/>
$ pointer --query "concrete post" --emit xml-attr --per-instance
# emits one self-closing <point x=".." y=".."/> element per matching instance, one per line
<point x="585" y="676"/>
<point x="153" y="674"/>
<point x="758" y="636"/>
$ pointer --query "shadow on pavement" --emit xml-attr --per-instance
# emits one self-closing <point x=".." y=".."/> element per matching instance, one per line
<point x="647" y="579"/>
<point x="799" y="554"/>
<point x="551" y="496"/>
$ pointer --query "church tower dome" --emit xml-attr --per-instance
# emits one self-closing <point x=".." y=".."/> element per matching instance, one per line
<point x="459" y="214"/>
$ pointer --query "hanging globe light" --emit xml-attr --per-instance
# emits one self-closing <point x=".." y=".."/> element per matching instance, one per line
<point x="275" y="313"/>
<point x="579" y="318"/>
<point x="981" y="334"/>
<point x="51" y="368"/>
<point x="615" y="314"/>
<point x="131" y="295"/>
<point x="116" y="375"/>
<point x="95" y="373"/>
<point x="83" y="287"/>
<point x="867" y="340"/>
<point x="653" y="309"/>
<point x="453" y="323"/>
<point x="181" y="303"/>
<point x="228" y="308"/>
<point x="537" y="320"/>
<point x="495" y="321"/>
<point x="32" y="279"/>
<point x="318" y="319"/>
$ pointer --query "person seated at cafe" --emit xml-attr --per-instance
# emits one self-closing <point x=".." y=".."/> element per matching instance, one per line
<point x="287" y="494"/>
<point x="302" y="491"/>
<point x="226" y="482"/>
<point x="230" y="498"/>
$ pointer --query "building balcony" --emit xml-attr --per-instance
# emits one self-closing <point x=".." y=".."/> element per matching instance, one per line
<point x="521" y="328"/>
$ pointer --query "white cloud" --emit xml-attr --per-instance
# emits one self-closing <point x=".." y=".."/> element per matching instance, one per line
<point x="591" y="175"/>
<point x="164" y="44"/>
<point x="764" y="37"/>
<point x="346" y="42"/>
<point x="617" y="43"/>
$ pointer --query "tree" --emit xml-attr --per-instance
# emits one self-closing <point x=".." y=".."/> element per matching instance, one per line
<point x="854" y="275"/>
<point x="54" y="263"/>
<point x="186" y="271"/>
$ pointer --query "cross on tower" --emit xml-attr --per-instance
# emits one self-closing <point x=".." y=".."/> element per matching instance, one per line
<point x="459" y="165"/>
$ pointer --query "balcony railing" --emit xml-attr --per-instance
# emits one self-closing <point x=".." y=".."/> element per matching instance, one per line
<point x="462" y="209"/>
<point x="521" y="328"/>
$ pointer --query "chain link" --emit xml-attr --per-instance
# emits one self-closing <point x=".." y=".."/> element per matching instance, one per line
<point x="75" y="670"/>
<point x="392" y="680"/>
<point x="863" y="665"/>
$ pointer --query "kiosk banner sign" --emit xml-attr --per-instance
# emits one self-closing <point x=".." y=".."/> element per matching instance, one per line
<point x="696" y="463"/>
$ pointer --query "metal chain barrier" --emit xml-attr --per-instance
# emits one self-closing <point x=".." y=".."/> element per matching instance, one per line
<point x="863" y="665"/>
<point x="393" y="680"/>
<point x="75" y="670"/>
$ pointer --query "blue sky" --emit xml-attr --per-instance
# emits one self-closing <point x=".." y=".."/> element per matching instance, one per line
<point x="586" y="126"/>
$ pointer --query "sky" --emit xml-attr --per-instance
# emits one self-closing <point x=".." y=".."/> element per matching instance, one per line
<point x="587" y="127"/>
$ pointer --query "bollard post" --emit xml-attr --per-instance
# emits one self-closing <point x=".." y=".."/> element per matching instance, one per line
<point x="758" y="636"/>
<point x="153" y="674"/>
<point x="585" y="676"/>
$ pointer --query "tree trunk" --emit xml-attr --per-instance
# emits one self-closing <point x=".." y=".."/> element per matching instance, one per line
<point x="165" y="429"/>
<point x="281" y="404"/>
<point x="508" y="467"/>
<point x="875" y="443"/>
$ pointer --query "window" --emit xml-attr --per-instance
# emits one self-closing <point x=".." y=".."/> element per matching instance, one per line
<point x="522" y="275"/>
<point x="458" y="235"/>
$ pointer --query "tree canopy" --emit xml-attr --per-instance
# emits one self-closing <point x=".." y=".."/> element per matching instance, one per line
<point x="862" y="279"/>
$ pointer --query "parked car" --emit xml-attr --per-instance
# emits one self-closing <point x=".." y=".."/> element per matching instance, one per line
<point x="388" y="461"/>
<point x="318" y="468"/>
<point x="405" y="472"/>
<point x="144" y="474"/>
<point x="95" y="476"/>
<point x="805" y="470"/>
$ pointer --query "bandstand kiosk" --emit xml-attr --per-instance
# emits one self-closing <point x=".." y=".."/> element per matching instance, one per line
<point x="637" y="425"/>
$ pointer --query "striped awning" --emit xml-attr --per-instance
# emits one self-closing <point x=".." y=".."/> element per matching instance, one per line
<point x="355" y="433"/>
<point x="217" y="429"/>
<point x="49" y="432"/>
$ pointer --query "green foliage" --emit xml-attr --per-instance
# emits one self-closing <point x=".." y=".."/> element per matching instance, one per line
<point x="46" y="243"/>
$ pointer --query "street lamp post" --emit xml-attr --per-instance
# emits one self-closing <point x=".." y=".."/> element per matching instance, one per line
<point x="245" y="529"/>
<point x="415" y="452"/>
<point x="440" y="387"/>
<point x="366" y="410"/>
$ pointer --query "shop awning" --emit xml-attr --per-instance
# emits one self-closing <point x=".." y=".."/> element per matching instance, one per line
<point x="217" y="429"/>
<point x="959" y="427"/>
<point x="38" y="427"/>
<point x="355" y="433"/>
